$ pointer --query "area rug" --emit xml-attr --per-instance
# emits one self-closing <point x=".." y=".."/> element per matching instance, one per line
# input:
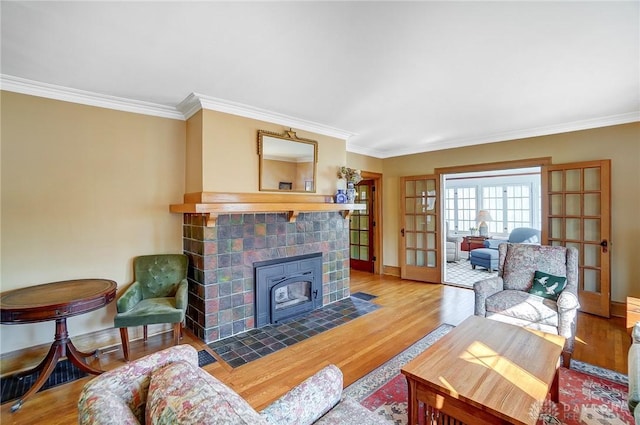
<point x="64" y="372"/>
<point x="589" y="395"/>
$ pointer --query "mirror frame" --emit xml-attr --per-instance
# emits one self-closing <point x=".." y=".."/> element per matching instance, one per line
<point x="292" y="137"/>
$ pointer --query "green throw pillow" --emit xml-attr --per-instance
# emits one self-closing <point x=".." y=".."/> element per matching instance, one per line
<point x="547" y="285"/>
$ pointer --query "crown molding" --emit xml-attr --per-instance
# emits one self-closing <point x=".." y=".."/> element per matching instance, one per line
<point x="195" y="101"/>
<point x="66" y="94"/>
<point x="500" y="137"/>
<point x="183" y="111"/>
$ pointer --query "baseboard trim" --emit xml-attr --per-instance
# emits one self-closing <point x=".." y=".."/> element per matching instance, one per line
<point x="391" y="271"/>
<point x="618" y="309"/>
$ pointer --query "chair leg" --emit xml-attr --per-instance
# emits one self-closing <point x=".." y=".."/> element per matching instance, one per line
<point x="124" y="335"/>
<point x="177" y="333"/>
<point x="566" y="359"/>
<point x="145" y="333"/>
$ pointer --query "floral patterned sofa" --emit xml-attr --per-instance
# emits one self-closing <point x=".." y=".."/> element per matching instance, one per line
<point x="634" y="374"/>
<point x="168" y="387"/>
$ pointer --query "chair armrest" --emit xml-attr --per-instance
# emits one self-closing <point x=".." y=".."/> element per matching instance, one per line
<point x="182" y="295"/>
<point x="129" y="298"/>
<point x="308" y="401"/>
<point x="567" y="300"/>
<point x="568" y="305"/>
<point x="454" y="238"/>
<point x="119" y="395"/>
<point x="482" y="290"/>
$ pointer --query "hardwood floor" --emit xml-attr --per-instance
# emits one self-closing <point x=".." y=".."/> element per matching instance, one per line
<point x="410" y="310"/>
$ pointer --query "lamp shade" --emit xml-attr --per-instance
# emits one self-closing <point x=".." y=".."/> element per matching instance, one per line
<point x="483" y="215"/>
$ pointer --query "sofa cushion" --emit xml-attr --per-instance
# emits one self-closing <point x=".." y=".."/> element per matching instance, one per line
<point x="523" y="306"/>
<point x="120" y="395"/>
<point x="547" y="285"/>
<point x="180" y="393"/>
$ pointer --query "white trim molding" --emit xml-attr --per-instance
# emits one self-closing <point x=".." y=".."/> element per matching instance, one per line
<point x="183" y="111"/>
<point x="499" y="137"/>
<point x="195" y="101"/>
<point x="66" y="94"/>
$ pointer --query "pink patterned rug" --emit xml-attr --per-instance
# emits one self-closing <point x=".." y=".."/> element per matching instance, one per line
<point x="588" y="395"/>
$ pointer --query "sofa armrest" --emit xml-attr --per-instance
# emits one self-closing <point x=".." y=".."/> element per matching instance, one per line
<point x="308" y="401"/>
<point x="129" y="298"/>
<point x="106" y="398"/>
<point x="482" y="290"/>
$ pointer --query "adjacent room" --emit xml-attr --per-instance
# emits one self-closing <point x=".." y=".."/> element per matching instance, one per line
<point x="323" y="212"/>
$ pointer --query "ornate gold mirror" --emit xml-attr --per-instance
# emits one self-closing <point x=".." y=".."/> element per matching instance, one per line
<point x="287" y="162"/>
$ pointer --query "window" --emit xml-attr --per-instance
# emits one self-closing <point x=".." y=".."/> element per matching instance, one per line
<point x="513" y="201"/>
<point x="461" y="208"/>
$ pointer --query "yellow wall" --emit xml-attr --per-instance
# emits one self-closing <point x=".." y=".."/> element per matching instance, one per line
<point x="84" y="191"/>
<point x="230" y="154"/>
<point x="193" y="177"/>
<point x="619" y="143"/>
<point x="364" y="163"/>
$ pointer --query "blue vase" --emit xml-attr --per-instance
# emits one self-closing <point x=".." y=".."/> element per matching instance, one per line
<point x="341" y="197"/>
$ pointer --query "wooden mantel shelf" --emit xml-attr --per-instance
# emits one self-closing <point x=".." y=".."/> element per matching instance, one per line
<point x="212" y="204"/>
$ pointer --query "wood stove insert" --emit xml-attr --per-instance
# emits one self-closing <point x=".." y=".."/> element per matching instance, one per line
<point x="287" y="287"/>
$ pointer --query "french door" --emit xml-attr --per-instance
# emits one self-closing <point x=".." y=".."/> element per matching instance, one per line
<point x="361" y="226"/>
<point x="420" y="257"/>
<point x="576" y="206"/>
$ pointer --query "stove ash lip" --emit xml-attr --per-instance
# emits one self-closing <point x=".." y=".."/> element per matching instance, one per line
<point x="273" y="274"/>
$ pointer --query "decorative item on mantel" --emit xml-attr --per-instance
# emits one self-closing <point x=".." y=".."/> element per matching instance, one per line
<point x="352" y="178"/>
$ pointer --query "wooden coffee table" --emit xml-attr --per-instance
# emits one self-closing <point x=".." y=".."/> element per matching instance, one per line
<point x="485" y="372"/>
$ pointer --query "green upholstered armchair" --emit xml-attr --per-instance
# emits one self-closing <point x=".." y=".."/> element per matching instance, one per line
<point x="158" y="295"/>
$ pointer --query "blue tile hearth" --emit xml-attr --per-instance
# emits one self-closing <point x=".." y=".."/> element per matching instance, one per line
<point x="256" y="343"/>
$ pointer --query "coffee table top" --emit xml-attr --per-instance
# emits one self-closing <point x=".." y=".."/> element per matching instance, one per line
<point x="499" y="368"/>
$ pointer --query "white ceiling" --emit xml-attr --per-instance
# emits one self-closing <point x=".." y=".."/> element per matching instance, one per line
<point x="401" y="77"/>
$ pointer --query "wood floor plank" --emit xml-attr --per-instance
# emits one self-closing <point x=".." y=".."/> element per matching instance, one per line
<point x="409" y="311"/>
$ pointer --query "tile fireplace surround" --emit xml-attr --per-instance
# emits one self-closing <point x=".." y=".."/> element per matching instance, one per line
<point x="221" y="263"/>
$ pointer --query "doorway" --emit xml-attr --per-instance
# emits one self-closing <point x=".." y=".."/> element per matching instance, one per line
<point x="364" y="226"/>
<point x="502" y="200"/>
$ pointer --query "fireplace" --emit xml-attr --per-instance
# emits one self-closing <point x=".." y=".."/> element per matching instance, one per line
<point x="287" y="287"/>
<point x="222" y="260"/>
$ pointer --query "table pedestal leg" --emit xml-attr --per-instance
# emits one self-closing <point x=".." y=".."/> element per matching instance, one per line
<point x="61" y="347"/>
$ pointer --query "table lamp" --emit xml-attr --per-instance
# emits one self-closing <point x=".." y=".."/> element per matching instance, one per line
<point x="482" y="217"/>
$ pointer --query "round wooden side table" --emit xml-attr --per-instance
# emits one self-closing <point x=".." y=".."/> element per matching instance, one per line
<point x="55" y="301"/>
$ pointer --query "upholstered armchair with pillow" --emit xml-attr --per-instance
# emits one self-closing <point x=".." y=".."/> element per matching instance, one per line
<point x="169" y="388"/>
<point x="158" y="295"/>
<point x="536" y="287"/>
